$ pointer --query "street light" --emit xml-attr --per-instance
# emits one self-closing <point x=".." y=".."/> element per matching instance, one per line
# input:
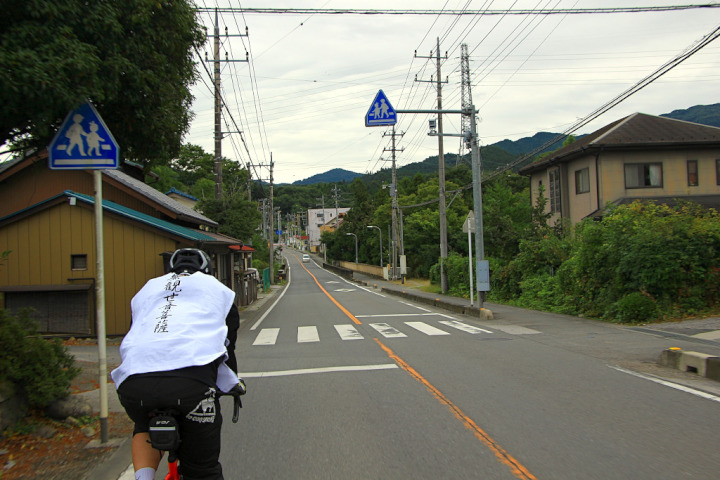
<point x="356" y="259"/>
<point x="379" y="230"/>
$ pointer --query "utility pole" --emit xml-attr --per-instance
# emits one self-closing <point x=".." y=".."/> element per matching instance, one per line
<point x="393" y="194"/>
<point x="217" y="165"/>
<point x="465" y="93"/>
<point x="322" y="199"/>
<point x="272" y="231"/>
<point x="441" y="171"/>
<point x="336" y="196"/>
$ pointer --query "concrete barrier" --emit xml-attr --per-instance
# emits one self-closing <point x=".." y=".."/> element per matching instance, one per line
<point x="699" y="363"/>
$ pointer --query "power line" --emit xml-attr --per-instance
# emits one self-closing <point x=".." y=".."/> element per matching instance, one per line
<point x="662" y="70"/>
<point x="563" y="11"/>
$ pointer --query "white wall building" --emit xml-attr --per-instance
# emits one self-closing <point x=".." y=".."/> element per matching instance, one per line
<point x="319" y="218"/>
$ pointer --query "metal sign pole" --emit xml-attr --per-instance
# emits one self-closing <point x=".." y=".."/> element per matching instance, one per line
<point x="84" y="142"/>
<point x="100" y="306"/>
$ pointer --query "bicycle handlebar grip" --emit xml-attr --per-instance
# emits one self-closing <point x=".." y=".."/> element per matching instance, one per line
<point x="237" y="391"/>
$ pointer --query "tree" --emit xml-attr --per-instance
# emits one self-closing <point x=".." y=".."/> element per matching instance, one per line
<point x="132" y="59"/>
<point x="235" y="215"/>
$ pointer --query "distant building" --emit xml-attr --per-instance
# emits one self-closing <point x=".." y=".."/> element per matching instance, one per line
<point x="320" y="220"/>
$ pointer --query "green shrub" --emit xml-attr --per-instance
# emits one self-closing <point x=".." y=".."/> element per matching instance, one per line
<point x="634" y="308"/>
<point x="41" y="369"/>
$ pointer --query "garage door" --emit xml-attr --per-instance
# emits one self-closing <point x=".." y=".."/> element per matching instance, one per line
<point x="56" y="311"/>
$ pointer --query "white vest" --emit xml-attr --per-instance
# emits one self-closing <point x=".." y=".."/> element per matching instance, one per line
<point x="178" y="321"/>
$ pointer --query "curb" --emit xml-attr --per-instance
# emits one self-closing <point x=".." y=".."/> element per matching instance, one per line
<point x="113" y="466"/>
<point x="469" y="310"/>
<point x="702" y="364"/>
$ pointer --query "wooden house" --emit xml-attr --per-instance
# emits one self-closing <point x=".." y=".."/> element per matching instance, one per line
<point x="47" y="224"/>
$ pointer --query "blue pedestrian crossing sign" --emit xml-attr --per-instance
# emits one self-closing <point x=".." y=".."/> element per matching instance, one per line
<point x="381" y="113"/>
<point x="83" y="142"/>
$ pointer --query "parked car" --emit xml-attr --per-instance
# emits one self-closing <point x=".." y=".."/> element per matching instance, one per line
<point x="305" y="258"/>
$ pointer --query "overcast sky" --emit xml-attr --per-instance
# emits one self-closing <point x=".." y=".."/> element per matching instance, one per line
<point x="311" y="78"/>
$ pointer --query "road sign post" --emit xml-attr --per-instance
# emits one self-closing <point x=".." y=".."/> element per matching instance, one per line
<point x="481" y="265"/>
<point x="84" y="142"/>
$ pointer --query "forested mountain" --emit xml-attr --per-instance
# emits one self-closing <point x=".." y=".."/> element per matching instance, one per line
<point x="528" y="144"/>
<point x="335" y="175"/>
<point x="497" y="154"/>
<point x="703" y="114"/>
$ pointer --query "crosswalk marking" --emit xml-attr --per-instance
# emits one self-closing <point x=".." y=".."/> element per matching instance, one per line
<point x="387" y="331"/>
<point x="348" y="332"/>
<point x="267" y="336"/>
<point x="307" y="334"/>
<point x="464" y="327"/>
<point x="310" y="333"/>
<point x="426" y="329"/>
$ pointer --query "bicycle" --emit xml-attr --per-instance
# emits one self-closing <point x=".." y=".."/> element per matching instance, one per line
<point x="165" y="432"/>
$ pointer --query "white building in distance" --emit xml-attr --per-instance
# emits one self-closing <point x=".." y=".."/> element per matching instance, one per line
<point x="320" y="220"/>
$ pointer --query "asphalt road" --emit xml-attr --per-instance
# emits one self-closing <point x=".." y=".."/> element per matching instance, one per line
<point x="347" y="383"/>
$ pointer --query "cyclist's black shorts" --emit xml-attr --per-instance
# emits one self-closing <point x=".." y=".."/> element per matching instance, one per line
<point x="199" y="416"/>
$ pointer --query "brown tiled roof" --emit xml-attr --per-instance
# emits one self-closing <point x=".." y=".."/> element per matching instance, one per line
<point x="637" y="131"/>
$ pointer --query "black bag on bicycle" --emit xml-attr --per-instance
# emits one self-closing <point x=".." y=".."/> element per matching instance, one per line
<point x="164" y="433"/>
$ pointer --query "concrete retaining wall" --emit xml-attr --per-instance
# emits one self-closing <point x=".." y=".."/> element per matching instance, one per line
<point x="374" y="270"/>
<point x="343" y="272"/>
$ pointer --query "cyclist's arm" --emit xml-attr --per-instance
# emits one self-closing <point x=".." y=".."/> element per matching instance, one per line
<point x="233" y="323"/>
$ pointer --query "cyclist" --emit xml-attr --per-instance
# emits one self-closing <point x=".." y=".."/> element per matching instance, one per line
<point x="175" y="356"/>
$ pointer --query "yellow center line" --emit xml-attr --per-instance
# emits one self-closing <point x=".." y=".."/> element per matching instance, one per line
<point x="344" y="310"/>
<point x="517" y="469"/>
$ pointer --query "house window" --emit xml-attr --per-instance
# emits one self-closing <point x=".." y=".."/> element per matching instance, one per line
<point x="582" y="180"/>
<point x="692" y="171"/>
<point x="643" y="175"/>
<point x="554" y="190"/>
<point x="717" y="171"/>
<point x="78" y="262"/>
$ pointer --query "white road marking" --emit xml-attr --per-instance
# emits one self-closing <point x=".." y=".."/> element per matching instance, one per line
<point x="682" y="388"/>
<point x="464" y="327"/>
<point x="305" y="371"/>
<point x="397" y="315"/>
<point x="411" y="305"/>
<point x="128" y="474"/>
<point x="348" y="332"/>
<point x="426" y="329"/>
<point x="307" y="334"/>
<point x="267" y="336"/>
<point x="516" y="330"/>
<point x="260" y="320"/>
<point x="387" y="331"/>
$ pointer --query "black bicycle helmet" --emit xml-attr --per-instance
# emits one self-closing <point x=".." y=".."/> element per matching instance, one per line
<point x="190" y="260"/>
